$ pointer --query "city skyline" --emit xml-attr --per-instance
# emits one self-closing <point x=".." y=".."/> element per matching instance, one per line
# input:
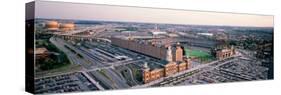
<point x="78" y="11"/>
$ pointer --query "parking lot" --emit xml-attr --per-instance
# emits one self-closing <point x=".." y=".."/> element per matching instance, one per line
<point x="241" y="70"/>
<point x="64" y="83"/>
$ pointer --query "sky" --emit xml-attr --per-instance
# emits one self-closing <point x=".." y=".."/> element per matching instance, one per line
<point x="78" y="11"/>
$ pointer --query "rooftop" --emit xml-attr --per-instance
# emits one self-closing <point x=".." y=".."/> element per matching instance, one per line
<point x="152" y="65"/>
<point x="40" y="50"/>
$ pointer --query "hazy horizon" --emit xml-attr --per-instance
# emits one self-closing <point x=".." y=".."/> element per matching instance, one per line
<point x="78" y="11"/>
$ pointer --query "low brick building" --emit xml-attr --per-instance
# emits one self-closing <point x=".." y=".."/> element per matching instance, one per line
<point x="224" y="53"/>
<point x="41" y="53"/>
<point x="168" y="69"/>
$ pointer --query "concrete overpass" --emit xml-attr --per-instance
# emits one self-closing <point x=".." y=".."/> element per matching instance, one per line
<point x="82" y="38"/>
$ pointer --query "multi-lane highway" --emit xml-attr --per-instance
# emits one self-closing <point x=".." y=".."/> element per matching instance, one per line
<point x="111" y="76"/>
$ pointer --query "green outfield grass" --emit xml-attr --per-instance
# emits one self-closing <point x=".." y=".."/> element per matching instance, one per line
<point x="204" y="56"/>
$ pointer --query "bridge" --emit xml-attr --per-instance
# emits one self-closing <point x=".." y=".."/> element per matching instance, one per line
<point x="82" y="37"/>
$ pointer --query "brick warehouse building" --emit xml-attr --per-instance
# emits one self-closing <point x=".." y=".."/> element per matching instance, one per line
<point x="174" y="60"/>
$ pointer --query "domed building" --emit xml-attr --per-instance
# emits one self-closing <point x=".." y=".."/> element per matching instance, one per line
<point x="67" y="27"/>
<point x="52" y="25"/>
